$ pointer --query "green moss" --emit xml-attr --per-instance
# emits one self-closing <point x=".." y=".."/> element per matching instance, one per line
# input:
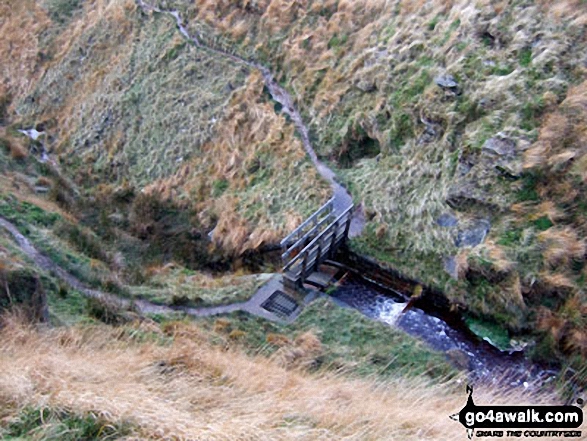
<point x="496" y="334"/>
<point x="543" y="223"/>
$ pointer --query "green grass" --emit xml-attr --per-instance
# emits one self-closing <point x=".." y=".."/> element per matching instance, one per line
<point x="219" y="187"/>
<point x="173" y="289"/>
<point x="60" y="425"/>
<point x="502" y="70"/>
<point x="432" y="24"/>
<point x="61" y="11"/>
<point x="527" y="192"/>
<point x="22" y="213"/>
<point x="543" y="223"/>
<point x="352" y="342"/>
<point x="337" y="41"/>
<point x="525" y="57"/>
<point x="510" y="238"/>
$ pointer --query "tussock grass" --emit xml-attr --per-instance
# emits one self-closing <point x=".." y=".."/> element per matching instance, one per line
<point x="185" y="389"/>
<point x="252" y="194"/>
<point x="174" y="285"/>
<point x="173" y="129"/>
<point x="369" y="67"/>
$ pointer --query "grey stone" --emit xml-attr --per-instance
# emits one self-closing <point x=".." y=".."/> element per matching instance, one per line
<point x="447" y="220"/>
<point x="366" y="86"/>
<point x="500" y="146"/>
<point x="463" y="168"/>
<point x="473" y="235"/>
<point x="446" y="82"/>
<point x="450" y="266"/>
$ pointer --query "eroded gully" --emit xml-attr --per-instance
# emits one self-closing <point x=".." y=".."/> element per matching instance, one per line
<point x="481" y="359"/>
<point x="478" y="357"/>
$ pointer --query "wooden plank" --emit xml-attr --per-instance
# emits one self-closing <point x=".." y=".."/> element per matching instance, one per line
<point x="326" y="208"/>
<point x="314" y="229"/>
<point x="333" y="233"/>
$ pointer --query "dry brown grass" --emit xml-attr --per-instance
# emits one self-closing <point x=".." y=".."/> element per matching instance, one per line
<point x="21" y="23"/>
<point x="190" y="390"/>
<point x="18" y="151"/>
<point x="561" y="245"/>
<point x="251" y="140"/>
<point x="563" y="136"/>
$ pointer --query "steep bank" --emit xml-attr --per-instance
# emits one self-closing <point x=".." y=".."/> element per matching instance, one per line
<point x="433" y="112"/>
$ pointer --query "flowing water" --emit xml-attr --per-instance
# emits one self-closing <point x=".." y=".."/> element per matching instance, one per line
<point x="482" y="360"/>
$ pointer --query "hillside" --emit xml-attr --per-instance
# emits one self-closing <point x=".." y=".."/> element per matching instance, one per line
<point x="152" y="168"/>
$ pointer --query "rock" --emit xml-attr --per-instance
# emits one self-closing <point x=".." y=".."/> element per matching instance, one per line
<point x="500" y="145"/>
<point x="509" y="172"/>
<point x="432" y="131"/>
<point x="33" y="134"/>
<point x="116" y="218"/>
<point x="473" y="235"/>
<point x="463" y="168"/>
<point x="366" y="86"/>
<point x="447" y="220"/>
<point x="450" y="266"/>
<point x="446" y="82"/>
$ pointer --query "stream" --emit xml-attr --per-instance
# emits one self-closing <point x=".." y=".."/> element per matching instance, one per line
<point x="483" y="361"/>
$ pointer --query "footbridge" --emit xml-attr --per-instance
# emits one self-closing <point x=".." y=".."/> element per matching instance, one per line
<point x="313" y="242"/>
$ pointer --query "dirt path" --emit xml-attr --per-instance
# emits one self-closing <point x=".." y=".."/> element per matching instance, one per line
<point x="141" y="306"/>
<point x="342" y="198"/>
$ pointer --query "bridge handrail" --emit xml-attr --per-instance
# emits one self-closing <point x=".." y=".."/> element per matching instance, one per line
<point x="292" y="248"/>
<point x="308" y="247"/>
<point x="328" y="206"/>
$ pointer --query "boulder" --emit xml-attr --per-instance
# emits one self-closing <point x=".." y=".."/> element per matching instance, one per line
<point x="446" y="82"/>
<point x="473" y="235"/>
<point x="447" y="220"/>
<point x="500" y="146"/>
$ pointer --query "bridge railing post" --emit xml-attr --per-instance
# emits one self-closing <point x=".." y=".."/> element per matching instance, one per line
<point x="304" y="264"/>
<point x="333" y="240"/>
<point x="320" y="248"/>
<point x="348" y="225"/>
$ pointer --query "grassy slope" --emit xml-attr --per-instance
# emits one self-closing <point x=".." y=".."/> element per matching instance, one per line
<point x="127" y="101"/>
<point x="363" y="74"/>
<point x="152" y="382"/>
<point x="347" y="342"/>
<point x="157" y="143"/>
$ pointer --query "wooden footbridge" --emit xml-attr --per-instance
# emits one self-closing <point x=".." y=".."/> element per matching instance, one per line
<point x="313" y="242"/>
